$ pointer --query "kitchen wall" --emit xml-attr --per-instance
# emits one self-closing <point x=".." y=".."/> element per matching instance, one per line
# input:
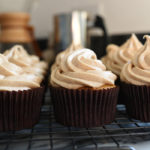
<point x="127" y="15"/>
<point x="121" y="16"/>
<point x="42" y="16"/>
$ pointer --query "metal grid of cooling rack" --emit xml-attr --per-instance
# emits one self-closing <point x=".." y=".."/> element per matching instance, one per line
<point x="49" y="135"/>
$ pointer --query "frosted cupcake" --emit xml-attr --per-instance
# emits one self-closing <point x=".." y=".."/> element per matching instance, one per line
<point x="83" y="92"/>
<point x="118" y="56"/>
<point x="21" y="93"/>
<point x="135" y="77"/>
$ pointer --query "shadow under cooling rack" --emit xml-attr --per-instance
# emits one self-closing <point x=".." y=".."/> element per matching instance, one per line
<point x="49" y="135"/>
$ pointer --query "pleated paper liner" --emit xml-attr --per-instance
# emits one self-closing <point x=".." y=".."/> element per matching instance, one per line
<point x="84" y="107"/>
<point x="138" y="101"/>
<point x="21" y="109"/>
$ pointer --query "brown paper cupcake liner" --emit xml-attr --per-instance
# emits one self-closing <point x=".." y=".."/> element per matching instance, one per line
<point x="138" y="101"/>
<point x="21" y="109"/>
<point x="84" y="107"/>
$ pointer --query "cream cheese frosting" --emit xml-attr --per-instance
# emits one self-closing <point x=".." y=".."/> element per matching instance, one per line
<point x="19" y="82"/>
<point x="118" y="56"/>
<point x="78" y="67"/>
<point x="137" y="71"/>
<point x="14" y="80"/>
<point x="7" y="68"/>
<point x="19" y="70"/>
<point x="70" y="49"/>
<point x="20" y="57"/>
<point x="31" y="63"/>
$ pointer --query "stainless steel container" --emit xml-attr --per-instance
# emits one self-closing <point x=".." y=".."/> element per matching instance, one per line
<point x="70" y="27"/>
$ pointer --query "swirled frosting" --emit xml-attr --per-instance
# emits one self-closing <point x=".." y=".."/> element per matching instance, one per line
<point x="60" y="56"/>
<point x="19" y="70"/>
<point x="70" y="49"/>
<point x="7" y="68"/>
<point x="137" y="71"/>
<point x="30" y="63"/>
<point x="13" y="77"/>
<point x="19" y="82"/>
<point x="79" y="68"/>
<point x="20" y="57"/>
<point x="118" y="56"/>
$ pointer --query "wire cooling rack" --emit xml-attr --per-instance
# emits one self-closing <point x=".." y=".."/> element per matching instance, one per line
<point x="49" y="135"/>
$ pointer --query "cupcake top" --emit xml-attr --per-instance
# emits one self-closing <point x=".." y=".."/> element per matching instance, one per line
<point x="77" y="68"/>
<point x="19" y="70"/>
<point x="118" y="56"/>
<point x="30" y="63"/>
<point x="13" y="78"/>
<point x="18" y="55"/>
<point x="137" y="71"/>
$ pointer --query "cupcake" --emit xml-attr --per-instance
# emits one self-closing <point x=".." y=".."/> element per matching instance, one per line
<point x="21" y="91"/>
<point x="135" y="83"/>
<point x="31" y="64"/>
<point x="118" y="56"/>
<point x="82" y="91"/>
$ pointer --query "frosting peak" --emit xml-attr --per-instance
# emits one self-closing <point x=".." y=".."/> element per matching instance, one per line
<point x="69" y="50"/>
<point x="20" y="57"/>
<point x="118" y="56"/>
<point x="128" y="50"/>
<point x="132" y="42"/>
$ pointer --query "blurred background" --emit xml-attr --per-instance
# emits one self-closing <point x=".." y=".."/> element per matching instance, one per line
<point x="97" y="22"/>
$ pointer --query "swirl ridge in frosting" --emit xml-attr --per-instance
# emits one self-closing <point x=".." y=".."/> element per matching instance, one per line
<point x="80" y="68"/>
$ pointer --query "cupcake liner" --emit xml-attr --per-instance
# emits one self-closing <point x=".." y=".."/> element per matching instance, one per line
<point x="84" y="107"/>
<point x="138" y="101"/>
<point x="20" y="109"/>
